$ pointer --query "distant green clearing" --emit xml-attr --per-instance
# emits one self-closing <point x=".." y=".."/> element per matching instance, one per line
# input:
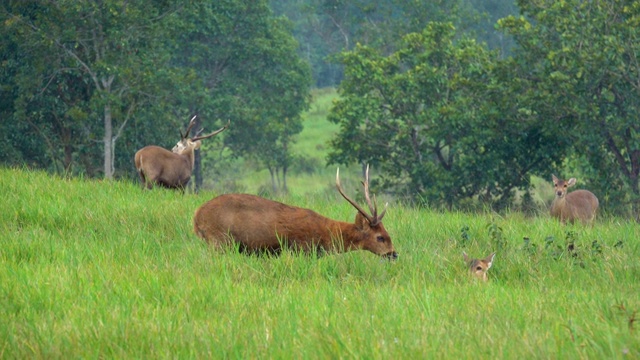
<point x="94" y="269"/>
<point x="312" y="144"/>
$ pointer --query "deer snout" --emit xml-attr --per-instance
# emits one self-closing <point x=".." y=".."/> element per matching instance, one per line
<point x="391" y="255"/>
<point x="559" y="193"/>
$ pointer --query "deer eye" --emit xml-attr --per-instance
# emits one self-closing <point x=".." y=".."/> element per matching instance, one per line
<point x="479" y="268"/>
<point x="380" y="238"/>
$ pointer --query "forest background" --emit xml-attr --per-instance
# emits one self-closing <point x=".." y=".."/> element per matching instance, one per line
<point x="456" y="104"/>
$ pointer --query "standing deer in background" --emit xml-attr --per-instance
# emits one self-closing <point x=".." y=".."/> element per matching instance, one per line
<point x="261" y="225"/>
<point x="170" y="169"/>
<point x="580" y="204"/>
<point x="479" y="267"/>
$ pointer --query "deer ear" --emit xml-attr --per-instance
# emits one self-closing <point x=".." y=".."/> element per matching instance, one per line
<point x="361" y="222"/>
<point x="465" y="256"/>
<point x="571" y="182"/>
<point x="489" y="260"/>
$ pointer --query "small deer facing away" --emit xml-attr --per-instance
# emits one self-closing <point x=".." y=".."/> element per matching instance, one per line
<point x="170" y="169"/>
<point x="576" y="205"/>
<point x="478" y="267"/>
<point x="261" y="225"/>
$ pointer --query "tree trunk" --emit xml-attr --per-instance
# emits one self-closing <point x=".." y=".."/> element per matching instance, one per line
<point x="284" y="179"/>
<point x="197" y="171"/>
<point x="635" y="199"/>
<point x="196" y="174"/>
<point x="274" y="186"/>
<point x="108" y="149"/>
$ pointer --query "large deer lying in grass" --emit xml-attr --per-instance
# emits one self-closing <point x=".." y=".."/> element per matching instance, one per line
<point x="576" y="205"/>
<point x="170" y="169"/>
<point x="256" y="224"/>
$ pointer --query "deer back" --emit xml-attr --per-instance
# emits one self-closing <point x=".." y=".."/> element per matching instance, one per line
<point x="158" y="165"/>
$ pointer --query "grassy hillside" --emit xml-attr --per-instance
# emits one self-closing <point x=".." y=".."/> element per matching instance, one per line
<point x="94" y="269"/>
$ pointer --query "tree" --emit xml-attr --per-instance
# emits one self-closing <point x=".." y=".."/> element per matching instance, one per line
<point x="406" y="114"/>
<point x="587" y="56"/>
<point x="443" y="118"/>
<point x="244" y="67"/>
<point x="101" y="57"/>
<point x="80" y="73"/>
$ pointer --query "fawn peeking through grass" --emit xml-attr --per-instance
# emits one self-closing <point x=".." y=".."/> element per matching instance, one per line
<point x="576" y="205"/>
<point x="478" y="267"/>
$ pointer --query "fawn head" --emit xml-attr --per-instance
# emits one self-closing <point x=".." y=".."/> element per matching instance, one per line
<point x="478" y="267"/>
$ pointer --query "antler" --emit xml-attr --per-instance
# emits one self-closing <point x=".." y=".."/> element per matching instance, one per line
<point x="374" y="218"/>
<point x="196" y="138"/>
<point x="191" y="123"/>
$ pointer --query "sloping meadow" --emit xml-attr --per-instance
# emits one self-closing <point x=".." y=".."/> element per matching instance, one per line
<point x="103" y="269"/>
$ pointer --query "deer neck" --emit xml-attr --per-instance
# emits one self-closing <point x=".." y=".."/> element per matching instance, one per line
<point x="349" y="234"/>
<point x="189" y="155"/>
<point x="558" y="205"/>
<point x="561" y="200"/>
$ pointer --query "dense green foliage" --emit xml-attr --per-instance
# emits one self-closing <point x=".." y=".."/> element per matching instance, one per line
<point x="102" y="269"/>
<point x="435" y="119"/>
<point x="450" y="121"/>
<point x="581" y="59"/>
<point x="76" y="73"/>
<point x="422" y="114"/>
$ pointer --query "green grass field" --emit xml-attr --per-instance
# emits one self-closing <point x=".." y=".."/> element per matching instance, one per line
<point x="93" y="269"/>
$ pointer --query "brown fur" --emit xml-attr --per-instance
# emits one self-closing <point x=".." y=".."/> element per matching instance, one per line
<point x="478" y="267"/>
<point x="259" y="224"/>
<point x="577" y="205"/>
<point x="170" y="169"/>
<point x="157" y="165"/>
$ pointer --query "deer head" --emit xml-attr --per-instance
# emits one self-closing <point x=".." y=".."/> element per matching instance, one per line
<point x="186" y="144"/>
<point x="372" y="221"/>
<point x="478" y="267"/>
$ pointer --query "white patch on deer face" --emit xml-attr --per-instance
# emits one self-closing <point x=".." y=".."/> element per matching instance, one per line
<point x="180" y="147"/>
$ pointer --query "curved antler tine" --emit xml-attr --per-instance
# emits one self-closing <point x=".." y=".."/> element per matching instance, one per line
<point x="367" y="197"/>
<point x="373" y="205"/>
<point x="196" y="138"/>
<point x="191" y="123"/>
<point x="353" y="203"/>
<point x="379" y="217"/>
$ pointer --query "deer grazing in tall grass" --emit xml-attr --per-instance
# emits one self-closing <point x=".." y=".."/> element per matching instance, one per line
<point x="170" y="169"/>
<point x="255" y="224"/>
<point x="478" y="267"/>
<point x="576" y="205"/>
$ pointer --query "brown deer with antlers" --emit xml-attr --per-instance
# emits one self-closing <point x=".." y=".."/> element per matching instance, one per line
<point x="170" y="169"/>
<point x="261" y="225"/>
